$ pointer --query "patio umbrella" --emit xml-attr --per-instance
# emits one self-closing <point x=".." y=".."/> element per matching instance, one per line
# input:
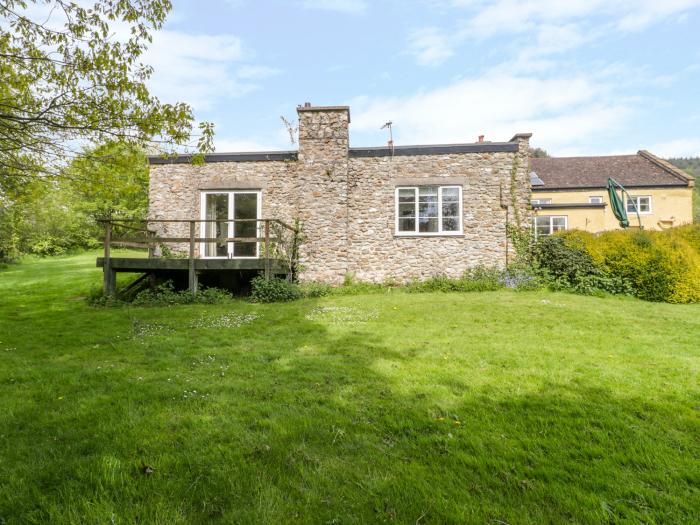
<point x="618" y="204"/>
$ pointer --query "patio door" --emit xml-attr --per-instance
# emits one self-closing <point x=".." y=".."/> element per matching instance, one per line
<point x="224" y="207"/>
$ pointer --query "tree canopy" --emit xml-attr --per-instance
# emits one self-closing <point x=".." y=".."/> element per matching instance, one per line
<point x="73" y="75"/>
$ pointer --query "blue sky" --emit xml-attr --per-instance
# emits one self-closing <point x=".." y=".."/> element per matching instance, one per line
<point x="589" y="77"/>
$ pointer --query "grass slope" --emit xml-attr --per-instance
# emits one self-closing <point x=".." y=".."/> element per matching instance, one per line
<point x="432" y="408"/>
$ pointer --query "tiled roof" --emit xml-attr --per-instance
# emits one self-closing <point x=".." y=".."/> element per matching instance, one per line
<point x="640" y="170"/>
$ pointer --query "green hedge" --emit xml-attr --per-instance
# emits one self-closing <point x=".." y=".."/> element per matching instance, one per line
<point x="652" y="265"/>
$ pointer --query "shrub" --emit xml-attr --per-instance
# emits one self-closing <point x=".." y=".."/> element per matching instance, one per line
<point x="274" y="290"/>
<point x="564" y="259"/>
<point x="652" y="265"/>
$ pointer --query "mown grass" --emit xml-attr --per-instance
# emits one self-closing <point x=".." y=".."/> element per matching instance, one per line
<point x="497" y="407"/>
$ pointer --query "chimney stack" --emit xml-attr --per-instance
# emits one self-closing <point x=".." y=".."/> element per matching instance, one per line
<point x="481" y="138"/>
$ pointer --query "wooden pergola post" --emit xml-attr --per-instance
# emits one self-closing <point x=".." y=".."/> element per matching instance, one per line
<point x="192" y="272"/>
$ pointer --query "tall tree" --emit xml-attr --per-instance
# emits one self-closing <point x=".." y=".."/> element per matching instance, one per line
<point x="72" y="74"/>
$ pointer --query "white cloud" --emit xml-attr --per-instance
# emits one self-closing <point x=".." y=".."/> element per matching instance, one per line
<point x="201" y="69"/>
<point x="430" y="46"/>
<point x="561" y="112"/>
<point x="342" y="6"/>
<point x="683" y="147"/>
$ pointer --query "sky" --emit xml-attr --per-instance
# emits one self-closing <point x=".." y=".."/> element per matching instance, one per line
<point x="586" y="77"/>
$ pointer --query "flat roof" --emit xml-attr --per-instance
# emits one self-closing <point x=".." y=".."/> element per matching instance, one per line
<point x="382" y="151"/>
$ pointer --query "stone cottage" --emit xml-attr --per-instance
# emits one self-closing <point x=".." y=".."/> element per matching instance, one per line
<point x="379" y="213"/>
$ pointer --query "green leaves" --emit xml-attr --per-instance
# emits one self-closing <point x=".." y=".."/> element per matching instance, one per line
<point x="75" y="75"/>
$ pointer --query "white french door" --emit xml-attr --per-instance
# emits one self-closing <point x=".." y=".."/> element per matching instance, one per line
<point x="227" y="206"/>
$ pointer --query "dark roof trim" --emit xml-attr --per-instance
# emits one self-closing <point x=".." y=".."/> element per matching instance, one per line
<point x="399" y="151"/>
<point x="438" y="149"/>
<point x="627" y="186"/>
<point x="262" y="156"/>
<point x="559" y="206"/>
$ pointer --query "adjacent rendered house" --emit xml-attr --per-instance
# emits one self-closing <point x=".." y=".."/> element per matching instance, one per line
<point x="570" y="193"/>
<point x="377" y="213"/>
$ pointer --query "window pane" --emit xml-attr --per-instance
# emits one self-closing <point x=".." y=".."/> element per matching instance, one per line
<point x="407" y="210"/>
<point x="631" y="204"/>
<point x="428" y="225"/>
<point x="595" y="200"/>
<point x="407" y="225"/>
<point x="245" y="207"/>
<point x="428" y="209"/>
<point x="407" y="195"/>
<point x="216" y="208"/>
<point x="450" y="194"/>
<point x="428" y="194"/>
<point x="450" y="209"/>
<point x="558" y="223"/>
<point x="542" y="225"/>
<point x="644" y="204"/>
<point x="450" y="224"/>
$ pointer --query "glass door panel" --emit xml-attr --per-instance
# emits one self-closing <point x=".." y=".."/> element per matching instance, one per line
<point x="216" y="208"/>
<point x="245" y="209"/>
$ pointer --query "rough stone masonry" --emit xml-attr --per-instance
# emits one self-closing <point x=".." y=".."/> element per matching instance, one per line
<point x="346" y="198"/>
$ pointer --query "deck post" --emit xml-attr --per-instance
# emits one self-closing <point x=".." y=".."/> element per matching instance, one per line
<point x="267" y="250"/>
<point x="193" y="273"/>
<point x="109" y="286"/>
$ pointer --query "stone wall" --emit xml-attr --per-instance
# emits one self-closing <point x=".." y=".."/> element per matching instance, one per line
<point x="175" y="191"/>
<point x="377" y="254"/>
<point x="346" y="202"/>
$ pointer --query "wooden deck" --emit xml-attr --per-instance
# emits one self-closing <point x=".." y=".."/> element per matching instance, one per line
<point x="144" y="265"/>
<point x="136" y="234"/>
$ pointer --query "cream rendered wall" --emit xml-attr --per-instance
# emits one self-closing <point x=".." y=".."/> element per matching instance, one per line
<point x="669" y="207"/>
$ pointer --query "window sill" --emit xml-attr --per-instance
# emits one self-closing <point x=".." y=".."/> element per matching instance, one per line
<point x="428" y="235"/>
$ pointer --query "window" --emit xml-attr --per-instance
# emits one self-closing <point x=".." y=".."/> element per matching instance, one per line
<point x="225" y="207"/>
<point x="548" y="224"/>
<point x="595" y="200"/>
<point x="429" y="210"/>
<point x="643" y="204"/>
<point x="535" y="202"/>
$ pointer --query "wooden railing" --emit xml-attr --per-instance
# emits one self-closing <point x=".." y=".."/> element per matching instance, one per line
<point x="139" y="235"/>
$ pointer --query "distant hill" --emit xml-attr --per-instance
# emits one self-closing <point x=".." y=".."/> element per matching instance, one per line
<point x="691" y="165"/>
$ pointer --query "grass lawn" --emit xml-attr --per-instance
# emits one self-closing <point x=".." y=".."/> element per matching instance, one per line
<point x="493" y="408"/>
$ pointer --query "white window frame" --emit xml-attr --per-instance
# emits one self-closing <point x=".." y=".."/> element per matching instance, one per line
<point x="636" y="198"/>
<point x="551" y="218"/>
<point x="440" y="232"/>
<point x="229" y="233"/>
<point x="595" y="199"/>
<point x="535" y="202"/>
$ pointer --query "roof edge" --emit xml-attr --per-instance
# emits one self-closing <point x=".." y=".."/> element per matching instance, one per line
<point x="541" y="189"/>
<point x="434" y="149"/>
<point x="253" y="156"/>
<point x="517" y="136"/>
<point x="667" y="167"/>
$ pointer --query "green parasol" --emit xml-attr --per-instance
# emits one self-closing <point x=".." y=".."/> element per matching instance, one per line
<point x="618" y="204"/>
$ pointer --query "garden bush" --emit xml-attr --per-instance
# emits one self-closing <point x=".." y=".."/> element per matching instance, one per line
<point x="274" y="290"/>
<point x="652" y="265"/>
